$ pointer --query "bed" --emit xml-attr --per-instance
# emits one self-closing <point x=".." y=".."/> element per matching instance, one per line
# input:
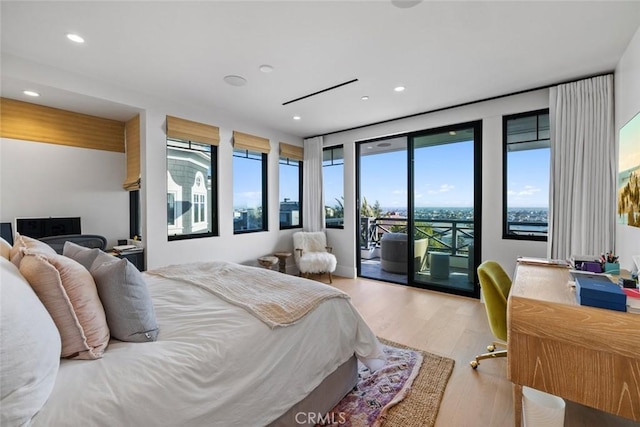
<point x="213" y="363"/>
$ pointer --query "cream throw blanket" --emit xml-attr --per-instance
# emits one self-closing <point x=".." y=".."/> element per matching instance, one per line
<point x="276" y="299"/>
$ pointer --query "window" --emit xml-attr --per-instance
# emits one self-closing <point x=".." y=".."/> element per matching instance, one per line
<point x="526" y="175"/>
<point x="333" y="186"/>
<point x="290" y="193"/>
<point x="134" y="214"/>
<point x="191" y="189"/>
<point x="249" y="191"/>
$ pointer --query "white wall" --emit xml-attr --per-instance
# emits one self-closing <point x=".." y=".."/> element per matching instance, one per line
<point x="490" y="112"/>
<point x="42" y="180"/>
<point x="627" y="101"/>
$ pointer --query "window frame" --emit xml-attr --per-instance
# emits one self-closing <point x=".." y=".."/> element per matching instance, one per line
<point x="300" y="167"/>
<point x="213" y="203"/>
<point x="333" y="148"/>
<point x="265" y="195"/>
<point x="505" y="226"/>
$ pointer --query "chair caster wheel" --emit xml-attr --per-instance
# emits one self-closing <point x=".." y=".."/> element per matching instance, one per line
<point x="491" y="347"/>
<point x="474" y="364"/>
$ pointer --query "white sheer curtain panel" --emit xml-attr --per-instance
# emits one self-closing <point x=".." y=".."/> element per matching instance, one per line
<point x="583" y="168"/>
<point x="312" y="197"/>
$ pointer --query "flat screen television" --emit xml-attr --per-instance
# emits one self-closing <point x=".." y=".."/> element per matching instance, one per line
<point x="45" y="227"/>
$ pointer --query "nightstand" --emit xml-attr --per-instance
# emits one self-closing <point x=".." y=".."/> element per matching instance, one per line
<point x="135" y="257"/>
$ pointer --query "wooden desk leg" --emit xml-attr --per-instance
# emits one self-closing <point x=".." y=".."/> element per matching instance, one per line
<point x="517" y="405"/>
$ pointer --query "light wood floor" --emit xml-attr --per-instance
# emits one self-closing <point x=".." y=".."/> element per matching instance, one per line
<point x="455" y="327"/>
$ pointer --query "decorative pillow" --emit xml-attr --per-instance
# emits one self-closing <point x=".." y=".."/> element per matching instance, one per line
<point x="20" y="243"/>
<point x="5" y="249"/>
<point x="126" y="300"/>
<point x="29" y="349"/>
<point x="69" y="293"/>
<point x="83" y="255"/>
<point x="101" y="259"/>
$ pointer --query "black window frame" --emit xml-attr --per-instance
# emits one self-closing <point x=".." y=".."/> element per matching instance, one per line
<point x="332" y="149"/>
<point x="300" y="195"/>
<point x="505" y="218"/>
<point x="265" y="207"/>
<point x="135" y="227"/>
<point x="213" y="205"/>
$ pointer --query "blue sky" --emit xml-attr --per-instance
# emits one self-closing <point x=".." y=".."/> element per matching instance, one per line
<point x="443" y="178"/>
<point x="247" y="183"/>
<point x="247" y="176"/>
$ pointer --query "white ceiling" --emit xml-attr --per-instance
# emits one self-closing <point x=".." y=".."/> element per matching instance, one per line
<point x="445" y="53"/>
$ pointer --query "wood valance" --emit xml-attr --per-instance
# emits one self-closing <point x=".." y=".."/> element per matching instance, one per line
<point x="244" y="141"/>
<point x="186" y="130"/>
<point x="292" y="152"/>
<point x="132" y="144"/>
<point x="32" y="122"/>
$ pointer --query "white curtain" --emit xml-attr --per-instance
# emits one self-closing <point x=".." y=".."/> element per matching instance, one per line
<point x="312" y="197"/>
<point x="583" y="168"/>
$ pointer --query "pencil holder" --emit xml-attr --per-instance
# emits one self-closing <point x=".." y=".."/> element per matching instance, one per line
<point x="612" y="267"/>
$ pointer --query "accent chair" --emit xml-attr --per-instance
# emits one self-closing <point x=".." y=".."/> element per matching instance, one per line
<point x="312" y="255"/>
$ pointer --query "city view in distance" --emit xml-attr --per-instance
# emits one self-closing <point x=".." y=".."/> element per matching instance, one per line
<point x="515" y="215"/>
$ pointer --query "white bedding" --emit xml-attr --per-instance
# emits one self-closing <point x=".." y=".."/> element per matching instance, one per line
<point x="214" y="364"/>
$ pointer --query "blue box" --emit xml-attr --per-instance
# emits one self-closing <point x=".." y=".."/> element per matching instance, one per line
<point x="599" y="291"/>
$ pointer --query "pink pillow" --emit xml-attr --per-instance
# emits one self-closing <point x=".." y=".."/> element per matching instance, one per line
<point x="20" y="243"/>
<point x="69" y="293"/>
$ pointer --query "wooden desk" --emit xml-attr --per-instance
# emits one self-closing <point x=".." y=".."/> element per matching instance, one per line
<point x="584" y="354"/>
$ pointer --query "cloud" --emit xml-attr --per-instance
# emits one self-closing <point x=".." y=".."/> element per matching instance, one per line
<point x="445" y="188"/>
<point x="529" y="190"/>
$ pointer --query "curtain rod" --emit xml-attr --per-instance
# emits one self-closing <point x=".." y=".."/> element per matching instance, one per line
<point x="464" y="104"/>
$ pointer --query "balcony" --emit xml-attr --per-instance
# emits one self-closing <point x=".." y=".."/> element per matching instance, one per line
<point x="454" y="237"/>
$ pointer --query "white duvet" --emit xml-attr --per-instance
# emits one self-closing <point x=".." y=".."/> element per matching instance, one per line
<point x="214" y="364"/>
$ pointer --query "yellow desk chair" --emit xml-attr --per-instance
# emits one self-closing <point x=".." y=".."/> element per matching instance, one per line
<point x="495" y="286"/>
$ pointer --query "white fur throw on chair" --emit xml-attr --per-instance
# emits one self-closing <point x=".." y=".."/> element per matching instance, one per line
<point x="311" y="253"/>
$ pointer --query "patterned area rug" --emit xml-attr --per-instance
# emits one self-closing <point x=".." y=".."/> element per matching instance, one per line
<point x="406" y="392"/>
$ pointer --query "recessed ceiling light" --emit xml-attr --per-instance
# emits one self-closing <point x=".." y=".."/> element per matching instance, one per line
<point x="75" y="38"/>
<point x="365" y="98"/>
<point x="399" y="88"/>
<point x="266" y="68"/>
<point x="405" y="4"/>
<point x="30" y="93"/>
<point x="452" y="132"/>
<point x="296" y="117"/>
<point x="235" y="80"/>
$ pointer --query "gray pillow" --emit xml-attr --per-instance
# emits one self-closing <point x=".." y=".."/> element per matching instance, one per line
<point x="81" y="254"/>
<point x="100" y="259"/>
<point x="126" y="300"/>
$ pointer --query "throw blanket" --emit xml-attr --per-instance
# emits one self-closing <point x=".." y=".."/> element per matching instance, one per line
<point x="276" y="299"/>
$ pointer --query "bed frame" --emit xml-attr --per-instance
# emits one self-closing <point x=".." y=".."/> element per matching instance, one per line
<point x="323" y="398"/>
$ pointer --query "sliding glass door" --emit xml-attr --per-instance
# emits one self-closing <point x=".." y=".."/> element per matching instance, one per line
<point x="382" y="194"/>
<point x="419" y="202"/>
<point x="445" y="202"/>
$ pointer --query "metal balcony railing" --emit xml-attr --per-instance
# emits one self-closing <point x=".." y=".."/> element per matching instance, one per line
<point x="445" y="235"/>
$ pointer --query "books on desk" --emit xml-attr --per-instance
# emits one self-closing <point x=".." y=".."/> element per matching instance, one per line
<point x="544" y="261"/>
<point x="598" y="291"/>
<point x="127" y="249"/>
<point x="633" y="300"/>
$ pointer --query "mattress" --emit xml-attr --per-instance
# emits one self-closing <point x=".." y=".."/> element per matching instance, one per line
<point x="214" y="364"/>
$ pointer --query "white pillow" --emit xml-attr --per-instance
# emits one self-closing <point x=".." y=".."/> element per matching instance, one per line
<point x="29" y="349"/>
